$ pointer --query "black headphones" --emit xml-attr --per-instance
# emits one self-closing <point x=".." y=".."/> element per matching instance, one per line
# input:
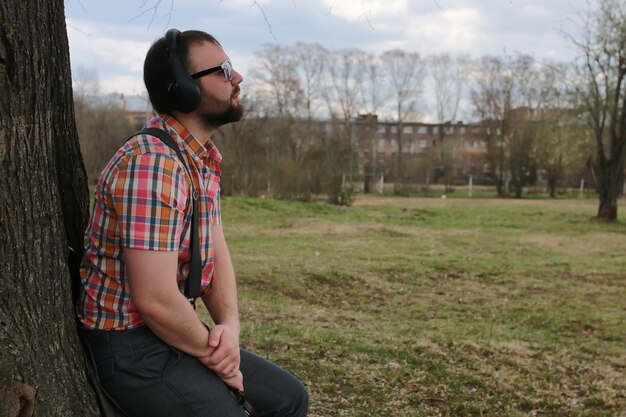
<point x="184" y="92"/>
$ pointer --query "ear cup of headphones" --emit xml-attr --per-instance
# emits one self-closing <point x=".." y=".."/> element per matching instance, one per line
<point x="184" y="92"/>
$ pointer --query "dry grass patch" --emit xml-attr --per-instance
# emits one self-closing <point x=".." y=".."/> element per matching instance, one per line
<point x="413" y="307"/>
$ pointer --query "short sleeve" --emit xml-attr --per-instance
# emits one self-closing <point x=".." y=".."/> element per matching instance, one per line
<point x="149" y="194"/>
<point x="216" y="209"/>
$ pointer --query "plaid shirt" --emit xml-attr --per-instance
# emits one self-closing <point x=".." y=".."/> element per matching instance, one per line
<point x="142" y="202"/>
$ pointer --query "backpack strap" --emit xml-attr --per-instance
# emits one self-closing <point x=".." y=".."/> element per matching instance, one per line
<point x="194" y="279"/>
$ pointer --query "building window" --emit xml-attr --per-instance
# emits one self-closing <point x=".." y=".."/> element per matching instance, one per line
<point x="407" y="129"/>
<point x="476" y="130"/>
<point x="462" y="130"/>
<point x="423" y="143"/>
<point x="435" y="129"/>
<point x="448" y="130"/>
<point x="422" y="129"/>
<point x="381" y="129"/>
<point x="475" y="144"/>
<point x="460" y="144"/>
<point x="381" y="143"/>
<point x="380" y="155"/>
<point x="394" y="129"/>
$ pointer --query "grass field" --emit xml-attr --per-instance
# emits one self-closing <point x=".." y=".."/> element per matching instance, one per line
<point x="430" y="307"/>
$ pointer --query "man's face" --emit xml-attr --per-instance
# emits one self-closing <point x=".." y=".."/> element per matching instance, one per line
<point x="220" y="97"/>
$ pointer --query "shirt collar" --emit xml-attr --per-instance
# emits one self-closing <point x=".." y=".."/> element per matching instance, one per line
<point x="198" y="150"/>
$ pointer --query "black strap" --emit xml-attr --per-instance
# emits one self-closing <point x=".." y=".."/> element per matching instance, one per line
<point x="194" y="279"/>
<point x="240" y="397"/>
<point x="192" y="286"/>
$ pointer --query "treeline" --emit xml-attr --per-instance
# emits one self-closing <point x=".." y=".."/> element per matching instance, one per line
<point x="550" y="120"/>
<point x="101" y="121"/>
<point x="302" y="134"/>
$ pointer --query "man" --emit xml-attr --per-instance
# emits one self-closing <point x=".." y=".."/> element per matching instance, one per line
<point x="153" y="355"/>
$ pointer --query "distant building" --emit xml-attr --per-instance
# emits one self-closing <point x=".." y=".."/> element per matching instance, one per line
<point x="138" y="109"/>
<point x="377" y="146"/>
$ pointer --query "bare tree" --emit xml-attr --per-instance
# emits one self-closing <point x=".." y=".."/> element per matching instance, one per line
<point x="526" y="119"/>
<point x="310" y="63"/>
<point x="603" y="97"/>
<point x="275" y="67"/>
<point x="342" y="89"/>
<point x="371" y="98"/>
<point x="448" y="76"/>
<point x="403" y="72"/>
<point x="344" y="81"/>
<point x="492" y="98"/>
<point x="553" y="149"/>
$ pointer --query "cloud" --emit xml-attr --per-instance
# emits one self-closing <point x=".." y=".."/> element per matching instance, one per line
<point x="114" y="53"/>
<point x="114" y="40"/>
<point x="448" y="30"/>
<point x="535" y="11"/>
<point x="354" y="9"/>
<point x="92" y="45"/>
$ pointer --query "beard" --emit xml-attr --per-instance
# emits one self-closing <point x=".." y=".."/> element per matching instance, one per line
<point x="215" y="112"/>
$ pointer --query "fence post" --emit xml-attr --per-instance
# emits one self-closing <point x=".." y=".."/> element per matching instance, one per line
<point x="582" y="187"/>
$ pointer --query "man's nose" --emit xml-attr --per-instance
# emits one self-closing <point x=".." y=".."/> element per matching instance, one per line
<point x="237" y="78"/>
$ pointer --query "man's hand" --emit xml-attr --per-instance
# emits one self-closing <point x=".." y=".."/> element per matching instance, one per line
<point x="225" y="359"/>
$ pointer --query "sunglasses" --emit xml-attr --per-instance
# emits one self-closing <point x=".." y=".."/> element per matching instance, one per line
<point x="225" y="66"/>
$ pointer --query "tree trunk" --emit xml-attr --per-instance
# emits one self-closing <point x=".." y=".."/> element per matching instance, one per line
<point x="610" y="174"/>
<point x="43" y="208"/>
<point x="519" y="187"/>
<point x="552" y="186"/>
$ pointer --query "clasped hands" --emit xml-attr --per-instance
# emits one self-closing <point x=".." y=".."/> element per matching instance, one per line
<point x="224" y="358"/>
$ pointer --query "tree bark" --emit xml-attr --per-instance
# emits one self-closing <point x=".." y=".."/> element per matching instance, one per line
<point x="43" y="208"/>
<point x="610" y="176"/>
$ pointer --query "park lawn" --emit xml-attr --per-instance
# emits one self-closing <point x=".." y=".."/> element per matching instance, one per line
<point x="430" y="307"/>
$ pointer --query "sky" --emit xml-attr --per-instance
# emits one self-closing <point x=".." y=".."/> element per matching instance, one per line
<point x="110" y="38"/>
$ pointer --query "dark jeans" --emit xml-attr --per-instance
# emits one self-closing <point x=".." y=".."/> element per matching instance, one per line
<point x="147" y="377"/>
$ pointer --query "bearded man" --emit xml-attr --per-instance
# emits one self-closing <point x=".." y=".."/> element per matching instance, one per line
<point x="153" y="355"/>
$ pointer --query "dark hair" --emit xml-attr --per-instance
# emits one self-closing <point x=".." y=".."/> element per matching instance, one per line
<point x="157" y="74"/>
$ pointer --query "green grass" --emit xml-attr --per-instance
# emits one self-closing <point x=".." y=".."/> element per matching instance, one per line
<point x="431" y="307"/>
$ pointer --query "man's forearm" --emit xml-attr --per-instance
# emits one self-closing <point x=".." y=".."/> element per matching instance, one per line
<point x="177" y="324"/>
<point x="221" y="301"/>
<point x="222" y="305"/>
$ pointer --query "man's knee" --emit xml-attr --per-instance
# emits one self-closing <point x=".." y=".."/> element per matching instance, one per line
<point x="297" y="400"/>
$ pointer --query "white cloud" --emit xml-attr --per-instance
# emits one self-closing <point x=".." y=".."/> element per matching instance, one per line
<point x="92" y="46"/>
<point x="535" y="11"/>
<point x="356" y="9"/>
<point x="450" y="30"/>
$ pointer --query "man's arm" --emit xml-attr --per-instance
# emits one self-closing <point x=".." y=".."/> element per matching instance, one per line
<point x="152" y="280"/>
<point x="221" y="302"/>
